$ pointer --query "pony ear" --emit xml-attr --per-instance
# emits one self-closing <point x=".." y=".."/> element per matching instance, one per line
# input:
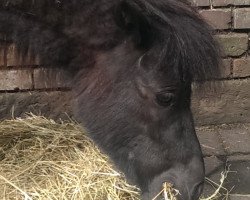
<point x="129" y="17"/>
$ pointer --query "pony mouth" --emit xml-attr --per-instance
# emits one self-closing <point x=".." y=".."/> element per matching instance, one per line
<point x="168" y="192"/>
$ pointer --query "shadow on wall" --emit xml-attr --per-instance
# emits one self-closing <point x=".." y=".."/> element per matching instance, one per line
<point x="229" y="104"/>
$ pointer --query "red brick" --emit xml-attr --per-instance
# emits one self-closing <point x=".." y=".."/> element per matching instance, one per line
<point x="226" y="68"/>
<point x="218" y="19"/>
<point x="15" y="79"/>
<point x="241" y="18"/>
<point x="230" y="2"/>
<point x="45" y="78"/>
<point x="14" y="59"/>
<point x="241" y="67"/>
<point x="202" y="2"/>
<point x="234" y="44"/>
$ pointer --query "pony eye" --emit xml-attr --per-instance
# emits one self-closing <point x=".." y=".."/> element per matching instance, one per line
<point x="164" y="99"/>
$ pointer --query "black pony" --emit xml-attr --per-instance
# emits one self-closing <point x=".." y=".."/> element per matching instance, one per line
<point x="132" y="64"/>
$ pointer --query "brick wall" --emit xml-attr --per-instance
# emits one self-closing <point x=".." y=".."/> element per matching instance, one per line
<point x="231" y="104"/>
<point x="26" y="86"/>
<point x="230" y="19"/>
<point x="19" y="73"/>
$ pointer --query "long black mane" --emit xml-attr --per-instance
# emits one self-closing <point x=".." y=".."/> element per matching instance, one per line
<point x="68" y="33"/>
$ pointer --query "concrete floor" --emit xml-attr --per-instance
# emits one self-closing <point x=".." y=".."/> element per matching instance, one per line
<point x="227" y="147"/>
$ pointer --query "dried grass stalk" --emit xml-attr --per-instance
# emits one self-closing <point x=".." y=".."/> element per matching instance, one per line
<point x="168" y="192"/>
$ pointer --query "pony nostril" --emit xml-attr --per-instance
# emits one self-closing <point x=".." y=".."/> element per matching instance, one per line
<point x="197" y="190"/>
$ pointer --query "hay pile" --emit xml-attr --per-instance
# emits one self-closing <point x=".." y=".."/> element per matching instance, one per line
<point x="41" y="159"/>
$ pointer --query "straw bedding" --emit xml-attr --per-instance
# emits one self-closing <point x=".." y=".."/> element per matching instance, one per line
<point x="41" y="159"/>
